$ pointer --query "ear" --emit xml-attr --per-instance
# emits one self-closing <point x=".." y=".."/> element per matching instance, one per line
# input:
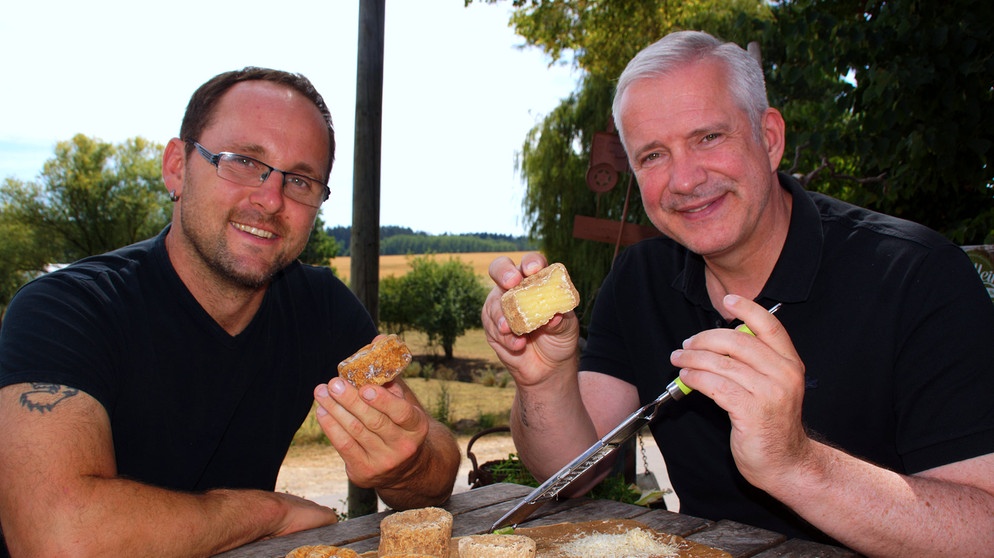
<point x="774" y="133"/>
<point x="174" y="165"/>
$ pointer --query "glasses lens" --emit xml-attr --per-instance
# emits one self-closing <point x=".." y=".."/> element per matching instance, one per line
<point x="303" y="189"/>
<point x="241" y="169"/>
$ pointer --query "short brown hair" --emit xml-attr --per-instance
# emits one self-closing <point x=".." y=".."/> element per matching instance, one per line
<point x="202" y="104"/>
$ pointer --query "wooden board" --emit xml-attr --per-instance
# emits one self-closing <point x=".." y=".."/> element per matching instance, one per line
<point x="549" y="539"/>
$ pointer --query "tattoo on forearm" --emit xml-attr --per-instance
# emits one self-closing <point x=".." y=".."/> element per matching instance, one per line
<point x="44" y="397"/>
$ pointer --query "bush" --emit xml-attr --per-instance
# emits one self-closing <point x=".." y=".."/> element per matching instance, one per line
<point x="442" y="300"/>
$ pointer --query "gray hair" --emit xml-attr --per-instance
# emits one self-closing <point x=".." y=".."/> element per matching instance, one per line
<point x="745" y="76"/>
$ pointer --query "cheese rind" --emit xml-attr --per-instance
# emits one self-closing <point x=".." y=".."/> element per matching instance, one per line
<point x="496" y="546"/>
<point x="538" y="298"/>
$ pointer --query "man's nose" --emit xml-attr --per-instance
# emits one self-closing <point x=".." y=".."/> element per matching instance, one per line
<point x="686" y="173"/>
<point x="269" y="194"/>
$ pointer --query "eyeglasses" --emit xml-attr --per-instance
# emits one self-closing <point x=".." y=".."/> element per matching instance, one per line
<point x="247" y="171"/>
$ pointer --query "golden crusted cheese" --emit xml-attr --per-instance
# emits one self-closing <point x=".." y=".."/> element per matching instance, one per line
<point x="425" y="531"/>
<point x="538" y="298"/>
<point x="376" y="363"/>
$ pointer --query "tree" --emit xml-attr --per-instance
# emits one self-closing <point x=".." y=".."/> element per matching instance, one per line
<point x="890" y="105"/>
<point x="321" y="247"/>
<point x="443" y="300"/>
<point x="94" y="196"/>
<point x="23" y="255"/>
<point x="91" y="197"/>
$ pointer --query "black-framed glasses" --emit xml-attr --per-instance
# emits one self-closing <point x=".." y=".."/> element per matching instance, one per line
<point x="249" y="171"/>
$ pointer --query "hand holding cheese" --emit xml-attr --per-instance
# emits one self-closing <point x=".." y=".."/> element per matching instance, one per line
<point x="538" y="298"/>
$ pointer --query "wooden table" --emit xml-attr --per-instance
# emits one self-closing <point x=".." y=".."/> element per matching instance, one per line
<point x="476" y="510"/>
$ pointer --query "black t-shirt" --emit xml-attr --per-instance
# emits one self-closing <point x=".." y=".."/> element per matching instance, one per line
<point x="191" y="407"/>
<point x="891" y="321"/>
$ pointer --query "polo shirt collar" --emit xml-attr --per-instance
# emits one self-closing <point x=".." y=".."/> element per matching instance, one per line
<point x="795" y="271"/>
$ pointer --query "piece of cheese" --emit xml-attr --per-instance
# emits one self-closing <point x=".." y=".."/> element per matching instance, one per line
<point x="538" y="298"/>
<point x="376" y="363"/>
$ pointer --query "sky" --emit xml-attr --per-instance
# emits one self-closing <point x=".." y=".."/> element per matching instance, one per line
<point x="460" y="92"/>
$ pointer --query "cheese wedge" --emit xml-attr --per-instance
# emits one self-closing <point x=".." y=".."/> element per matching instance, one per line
<point x="538" y="298"/>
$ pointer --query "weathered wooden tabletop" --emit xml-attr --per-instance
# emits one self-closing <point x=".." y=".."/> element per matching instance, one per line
<point x="476" y="510"/>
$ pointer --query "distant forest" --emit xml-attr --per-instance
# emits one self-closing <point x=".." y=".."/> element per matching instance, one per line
<point x="402" y="240"/>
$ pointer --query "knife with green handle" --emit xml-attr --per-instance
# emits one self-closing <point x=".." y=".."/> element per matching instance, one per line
<point x="595" y="453"/>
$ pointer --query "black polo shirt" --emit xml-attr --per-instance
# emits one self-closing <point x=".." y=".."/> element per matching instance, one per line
<point x="890" y="319"/>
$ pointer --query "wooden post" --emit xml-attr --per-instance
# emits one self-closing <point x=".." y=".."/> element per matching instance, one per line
<point x="365" y="244"/>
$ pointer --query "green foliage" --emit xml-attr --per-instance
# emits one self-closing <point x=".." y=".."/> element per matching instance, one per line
<point x="603" y="36"/>
<point x="441" y="409"/>
<point x="321" y="247"/>
<point x="443" y="300"/>
<point x="613" y="487"/>
<point x="92" y="197"/>
<point x="23" y="254"/>
<point x="96" y="196"/>
<point x="910" y="131"/>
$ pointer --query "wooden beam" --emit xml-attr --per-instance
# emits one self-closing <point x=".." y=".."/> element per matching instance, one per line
<point x="365" y="262"/>
<point x="606" y="230"/>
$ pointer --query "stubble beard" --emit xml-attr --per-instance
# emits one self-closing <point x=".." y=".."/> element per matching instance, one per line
<point x="219" y="260"/>
<point x="220" y="264"/>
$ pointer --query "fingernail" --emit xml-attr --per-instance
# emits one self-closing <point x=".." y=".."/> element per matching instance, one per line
<point x="532" y="266"/>
<point x="323" y="391"/>
<point x="320" y="411"/>
<point x="337" y="386"/>
<point x="368" y="394"/>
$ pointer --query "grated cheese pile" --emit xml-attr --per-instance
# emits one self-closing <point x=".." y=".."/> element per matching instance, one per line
<point x="636" y="543"/>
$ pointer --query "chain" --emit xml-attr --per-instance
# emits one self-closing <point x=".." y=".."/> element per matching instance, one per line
<point x="645" y="458"/>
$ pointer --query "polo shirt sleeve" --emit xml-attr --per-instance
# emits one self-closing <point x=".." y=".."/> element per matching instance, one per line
<point x="945" y="370"/>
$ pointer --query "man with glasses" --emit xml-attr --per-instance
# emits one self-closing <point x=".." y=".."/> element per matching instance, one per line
<point x="148" y="396"/>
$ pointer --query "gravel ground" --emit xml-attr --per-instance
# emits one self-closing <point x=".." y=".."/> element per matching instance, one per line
<point x="317" y="473"/>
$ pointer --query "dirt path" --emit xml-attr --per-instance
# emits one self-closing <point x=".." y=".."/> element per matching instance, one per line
<point x="317" y="473"/>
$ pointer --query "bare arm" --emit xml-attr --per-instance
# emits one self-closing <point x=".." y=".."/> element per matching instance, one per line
<point x="389" y="442"/>
<point x="759" y="381"/>
<point x="60" y="495"/>
<point x="948" y="511"/>
<point x="557" y="412"/>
